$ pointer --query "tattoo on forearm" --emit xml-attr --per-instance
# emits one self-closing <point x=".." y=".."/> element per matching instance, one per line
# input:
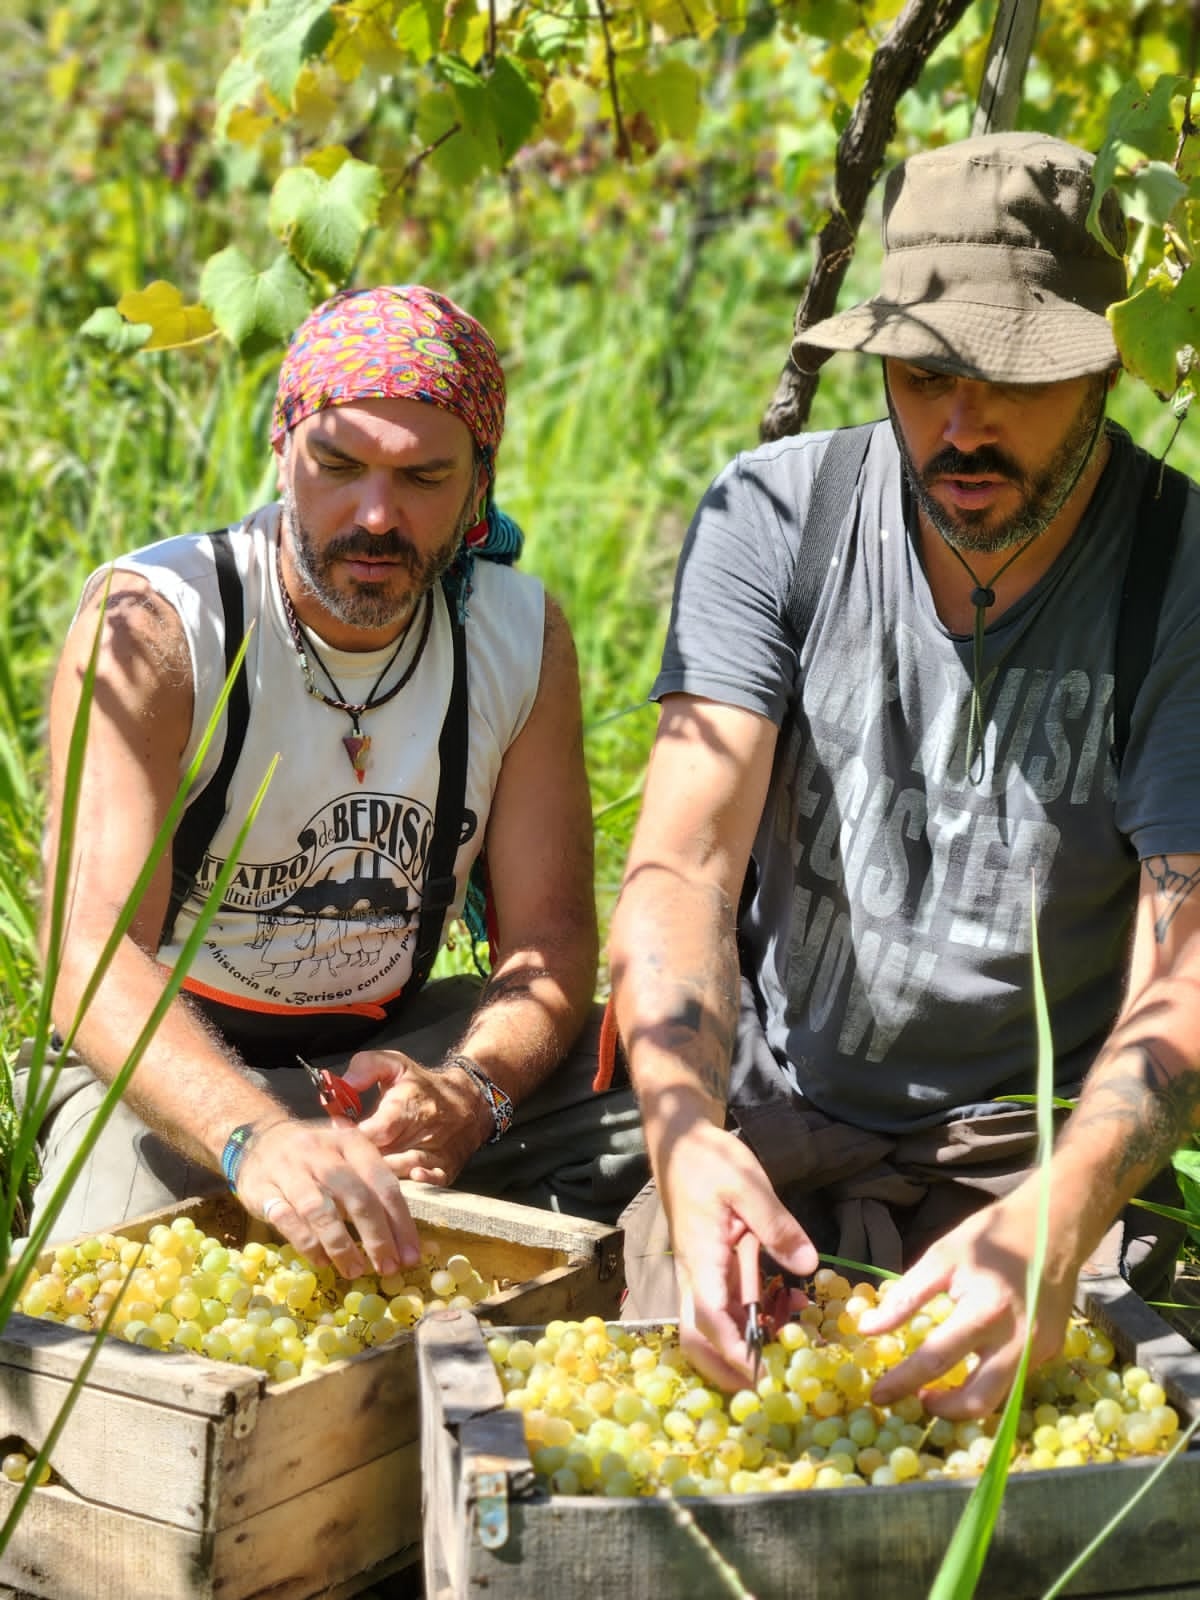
<point x="1157" y="1105"/>
<point x="699" y="1023"/>
<point x="1172" y="889"/>
<point x="506" y="986"/>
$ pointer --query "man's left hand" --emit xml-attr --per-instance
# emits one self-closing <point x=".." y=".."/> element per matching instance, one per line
<point x="982" y="1266"/>
<point x="427" y="1124"/>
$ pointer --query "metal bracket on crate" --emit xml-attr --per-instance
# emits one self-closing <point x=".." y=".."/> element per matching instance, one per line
<point x="608" y="1259"/>
<point x="491" y="1509"/>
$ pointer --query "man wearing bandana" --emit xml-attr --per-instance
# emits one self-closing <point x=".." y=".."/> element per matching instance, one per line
<point x="420" y="698"/>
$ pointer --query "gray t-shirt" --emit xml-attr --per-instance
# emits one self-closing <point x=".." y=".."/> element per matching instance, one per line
<point x="889" y="933"/>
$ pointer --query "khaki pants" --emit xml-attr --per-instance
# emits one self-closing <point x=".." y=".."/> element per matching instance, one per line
<point x="568" y="1150"/>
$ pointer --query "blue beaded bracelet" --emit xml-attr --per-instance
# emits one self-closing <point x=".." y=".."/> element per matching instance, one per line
<point x="234" y="1152"/>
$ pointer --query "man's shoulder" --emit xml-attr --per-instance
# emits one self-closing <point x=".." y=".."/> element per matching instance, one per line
<point x="189" y="555"/>
<point x="796" y="459"/>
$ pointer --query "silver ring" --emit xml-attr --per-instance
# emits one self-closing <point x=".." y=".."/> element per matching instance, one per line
<point x="271" y="1204"/>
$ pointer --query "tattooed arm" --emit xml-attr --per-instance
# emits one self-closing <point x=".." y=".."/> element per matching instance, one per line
<point x="1139" y="1103"/>
<point x="429" y="1122"/>
<point x="675" y="987"/>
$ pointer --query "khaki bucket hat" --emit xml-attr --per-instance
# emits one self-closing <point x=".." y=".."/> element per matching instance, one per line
<point x="989" y="270"/>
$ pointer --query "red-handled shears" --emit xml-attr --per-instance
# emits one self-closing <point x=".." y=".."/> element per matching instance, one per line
<point x="338" y="1098"/>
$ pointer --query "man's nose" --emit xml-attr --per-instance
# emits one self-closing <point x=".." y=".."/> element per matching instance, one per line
<point x="969" y="420"/>
<point x="378" y="503"/>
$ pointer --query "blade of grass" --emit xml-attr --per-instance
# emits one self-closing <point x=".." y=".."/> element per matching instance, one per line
<point x="117" y="1087"/>
<point x="39" y="1095"/>
<point x="60" y="1421"/>
<point x="962" y="1564"/>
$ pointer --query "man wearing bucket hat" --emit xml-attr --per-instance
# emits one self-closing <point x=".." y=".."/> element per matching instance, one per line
<point x="822" y="954"/>
<point x="422" y="698"/>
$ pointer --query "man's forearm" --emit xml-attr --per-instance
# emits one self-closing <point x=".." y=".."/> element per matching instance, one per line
<point x="675" y="987"/>
<point x="1139" y="1104"/>
<point x="529" y="1013"/>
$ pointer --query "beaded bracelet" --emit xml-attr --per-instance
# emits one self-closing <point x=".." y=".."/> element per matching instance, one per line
<point x="234" y="1152"/>
<point x="498" y="1102"/>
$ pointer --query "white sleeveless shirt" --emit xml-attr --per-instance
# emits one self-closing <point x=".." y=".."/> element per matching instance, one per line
<point x="321" y="913"/>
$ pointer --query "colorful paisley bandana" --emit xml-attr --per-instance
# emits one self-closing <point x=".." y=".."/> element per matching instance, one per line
<point x="410" y="342"/>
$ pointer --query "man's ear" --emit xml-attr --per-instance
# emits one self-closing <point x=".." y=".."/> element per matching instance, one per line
<point x="1113" y="378"/>
<point x="281" y="453"/>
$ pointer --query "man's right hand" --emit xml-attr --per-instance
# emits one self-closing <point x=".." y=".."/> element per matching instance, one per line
<point x="715" y="1194"/>
<point x="333" y="1184"/>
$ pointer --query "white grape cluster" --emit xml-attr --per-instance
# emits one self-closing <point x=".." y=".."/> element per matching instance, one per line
<point x="618" y="1411"/>
<point x="262" y="1306"/>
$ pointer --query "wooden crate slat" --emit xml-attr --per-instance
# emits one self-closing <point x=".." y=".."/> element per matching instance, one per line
<point x="68" y="1549"/>
<point x="320" y="1427"/>
<point x="325" y="1538"/>
<point x="183" y="1382"/>
<point x="117" y="1450"/>
<point x="502" y="1219"/>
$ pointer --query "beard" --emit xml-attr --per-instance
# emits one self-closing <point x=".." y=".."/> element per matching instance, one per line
<point x="1043" y="494"/>
<point x="370" y="605"/>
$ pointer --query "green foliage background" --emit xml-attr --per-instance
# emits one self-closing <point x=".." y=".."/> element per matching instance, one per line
<point x="642" y="301"/>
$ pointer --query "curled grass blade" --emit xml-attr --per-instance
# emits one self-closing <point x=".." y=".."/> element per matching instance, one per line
<point x="858" y="1266"/>
<point x="39" y="1093"/>
<point x="117" y="1087"/>
<point x="962" y="1564"/>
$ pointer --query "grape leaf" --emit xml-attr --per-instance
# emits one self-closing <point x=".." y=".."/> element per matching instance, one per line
<point x="1152" y="325"/>
<point x="1141" y="126"/>
<point x="668" y="96"/>
<point x="254" y="310"/>
<point x="417" y="30"/>
<point x="323" y="221"/>
<point x="280" y="38"/>
<point x="326" y="161"/>
<point x="160" y="306"/>
<point x="108" y="327"/>
<point x="469" y="95"/>
<point x="515" y="106"/>
<point x="314" y="107"/>
<point x="237" y="86"/>
<point x="1152" y="192"/>
<point x="458" y="158"/>
<point x="832" y="19"/>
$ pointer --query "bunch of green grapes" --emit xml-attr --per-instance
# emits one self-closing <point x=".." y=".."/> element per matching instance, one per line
<point x="614" y="1410"/>
<point x="263" y="1306"/>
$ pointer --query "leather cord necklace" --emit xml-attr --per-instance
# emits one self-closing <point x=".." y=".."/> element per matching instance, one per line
<point x="983" y="596"/>
<point x="356" y="743"/>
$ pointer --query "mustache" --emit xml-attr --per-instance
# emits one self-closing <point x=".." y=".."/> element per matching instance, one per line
<point x="987" y="460"/>
<point x="359" y="544"/>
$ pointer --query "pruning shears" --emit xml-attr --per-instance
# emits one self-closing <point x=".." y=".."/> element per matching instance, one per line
<point x="766" y="1305"/>
<point x="749" y="1293"/>
<point x="336" y="1095"/>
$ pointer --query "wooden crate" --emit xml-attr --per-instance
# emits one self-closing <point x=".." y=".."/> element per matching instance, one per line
<point x="490" y="1530"/>
<point x="178" y="1477"/>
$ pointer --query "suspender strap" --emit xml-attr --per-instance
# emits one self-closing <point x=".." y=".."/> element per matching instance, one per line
<point x="203" y="817"/>
<point x="1151" y="553"/>
<point x="437" y="894"/>
<point x="831" y="491"/>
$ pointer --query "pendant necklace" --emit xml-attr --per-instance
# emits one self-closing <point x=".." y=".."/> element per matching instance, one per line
<point x="356" y="743"/>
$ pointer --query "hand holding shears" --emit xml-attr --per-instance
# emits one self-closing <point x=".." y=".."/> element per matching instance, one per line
<point x="336" y="1095"/>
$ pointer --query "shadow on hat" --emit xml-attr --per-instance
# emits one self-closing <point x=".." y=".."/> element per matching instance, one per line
<point x="989" y="270"/>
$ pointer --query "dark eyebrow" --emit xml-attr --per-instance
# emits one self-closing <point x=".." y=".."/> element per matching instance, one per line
<point x="434" y="464"/>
